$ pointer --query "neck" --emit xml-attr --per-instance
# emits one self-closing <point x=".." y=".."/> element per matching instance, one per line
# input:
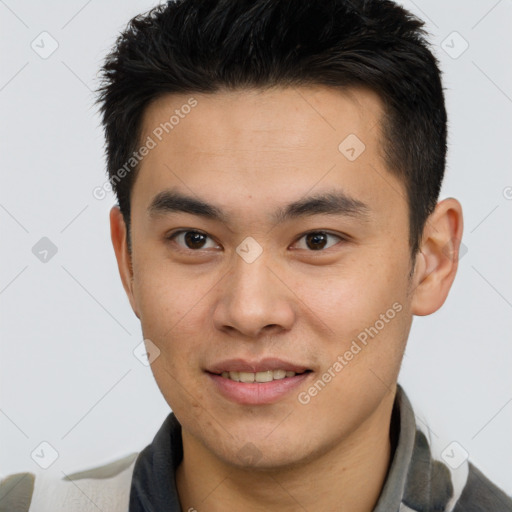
<point x="348" y="476"/>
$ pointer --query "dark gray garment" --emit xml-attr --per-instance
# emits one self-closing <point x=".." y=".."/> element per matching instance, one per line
<point x="415" y="481"/>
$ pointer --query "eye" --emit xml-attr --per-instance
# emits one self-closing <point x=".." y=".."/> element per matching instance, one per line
<point x="318" y="240"/>
<point x="193" y="240"/>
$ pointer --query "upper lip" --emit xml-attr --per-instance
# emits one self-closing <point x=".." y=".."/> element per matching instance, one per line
<point x="261" y="365"/>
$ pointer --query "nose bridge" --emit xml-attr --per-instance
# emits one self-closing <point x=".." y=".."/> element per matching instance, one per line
<point x="253" y="297"/>
<point x="251" y="263"/>
<point x="250" y="280"/>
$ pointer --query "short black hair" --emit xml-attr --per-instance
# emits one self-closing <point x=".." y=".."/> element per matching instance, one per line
<point x="207" y="46"/>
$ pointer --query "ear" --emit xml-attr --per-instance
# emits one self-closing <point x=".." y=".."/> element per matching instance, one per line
<point x="118" y="234"/>
<point x="438" y="258"/>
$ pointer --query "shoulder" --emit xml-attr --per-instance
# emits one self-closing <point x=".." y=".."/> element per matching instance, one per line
<point x="16" y="492"/>
<point x="106" y="487"/>
<point x="481" y="495"/>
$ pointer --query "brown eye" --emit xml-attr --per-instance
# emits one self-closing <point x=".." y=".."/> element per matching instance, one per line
<point x="318" y="240"/>
<point x="193" y="240"/>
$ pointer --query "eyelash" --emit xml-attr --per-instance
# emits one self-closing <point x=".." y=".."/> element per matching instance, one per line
<point x="174" y="235"/>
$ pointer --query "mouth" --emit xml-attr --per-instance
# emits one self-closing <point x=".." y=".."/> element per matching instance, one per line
<point x="257" y="382"/>
<point x="264" y="376"/>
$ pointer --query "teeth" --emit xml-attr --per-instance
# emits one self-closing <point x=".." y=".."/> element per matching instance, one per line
<point x="247" y="377"/>
<point x="266" y="376"/>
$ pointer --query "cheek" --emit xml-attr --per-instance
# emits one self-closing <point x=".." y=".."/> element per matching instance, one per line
<point x="364" y="305"/>
<point x="169" y="302"/>
<point x="172" y="315"/>
<point x="356" y="295"/>
<point x="161" y="289"/>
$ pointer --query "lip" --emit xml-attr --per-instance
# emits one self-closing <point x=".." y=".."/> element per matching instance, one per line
<point x="243" y="365"/>
<point x="256" y="393"/>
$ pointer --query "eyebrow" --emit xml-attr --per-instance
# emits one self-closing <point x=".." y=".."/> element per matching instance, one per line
<point x="327" y="203"/>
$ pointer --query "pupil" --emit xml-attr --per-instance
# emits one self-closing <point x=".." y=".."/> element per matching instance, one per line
<point x="316" y="238"/>
<point x="194" y="240"/>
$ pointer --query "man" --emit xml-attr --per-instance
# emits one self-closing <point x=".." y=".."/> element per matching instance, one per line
<point x="277" y="165"/>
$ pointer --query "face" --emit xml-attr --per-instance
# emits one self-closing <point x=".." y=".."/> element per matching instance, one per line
<point x="295" y="260"/>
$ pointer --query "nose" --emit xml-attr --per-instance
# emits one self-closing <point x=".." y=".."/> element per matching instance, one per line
<point x="254" y="300"/>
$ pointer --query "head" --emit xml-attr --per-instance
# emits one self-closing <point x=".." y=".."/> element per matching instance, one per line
<point x="277" y="166"/>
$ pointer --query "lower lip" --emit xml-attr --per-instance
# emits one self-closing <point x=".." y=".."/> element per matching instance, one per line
<point x="256" y="393"/>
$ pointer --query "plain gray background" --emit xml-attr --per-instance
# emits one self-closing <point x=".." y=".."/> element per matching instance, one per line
<point x="68" y="373"/>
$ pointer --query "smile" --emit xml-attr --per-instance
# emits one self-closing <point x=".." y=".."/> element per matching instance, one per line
<point x="265" y="376"/>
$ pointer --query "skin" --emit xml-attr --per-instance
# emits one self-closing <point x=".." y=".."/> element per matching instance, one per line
<point x="249" y="152"/>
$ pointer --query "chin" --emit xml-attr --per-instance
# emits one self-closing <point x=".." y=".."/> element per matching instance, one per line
<point x="262" y="448"/>
<point x="269" y="457"/>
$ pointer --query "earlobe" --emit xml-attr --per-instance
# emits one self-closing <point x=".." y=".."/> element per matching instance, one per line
<point x="437" y="261"/>
<point x="118" y="234"/>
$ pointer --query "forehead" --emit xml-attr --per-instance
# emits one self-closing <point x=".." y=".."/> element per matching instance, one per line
<point x="299" y="118"/>
<point x="267" y="144"/>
